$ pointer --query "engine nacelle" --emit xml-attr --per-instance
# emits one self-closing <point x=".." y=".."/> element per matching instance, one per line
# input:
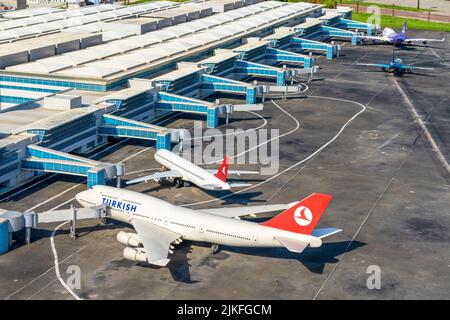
<point x="134" y="254"/>
<point x="129" y="239"/>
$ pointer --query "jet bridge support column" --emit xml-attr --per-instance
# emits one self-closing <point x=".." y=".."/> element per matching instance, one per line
<point x="163" y="141"/>
<point x="73" y="223"/>
<point x="281" y="78"/>
<point x="213" y="117"/>
<point x="95" y="176"/>
<point x="251" y="95"/>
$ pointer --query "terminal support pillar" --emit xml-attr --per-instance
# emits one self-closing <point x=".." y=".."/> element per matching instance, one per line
<point x="163" y="141"/>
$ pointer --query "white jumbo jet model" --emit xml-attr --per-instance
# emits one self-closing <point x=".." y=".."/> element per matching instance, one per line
<point x="185" y="172"/>
<point x="390" y="36"/>
<point x="159" y="224"/>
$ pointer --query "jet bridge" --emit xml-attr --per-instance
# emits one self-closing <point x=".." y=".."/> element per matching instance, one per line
<point x="41" y="159"/>
<point x="13" y="221"/>
<point x="357" y="25"/>
<point x="276" y="55"/>
<point x="173" y="102"/>
<point x="248" y="68"/>
<point x="116" y="126"/>
<point x="218" y="84"/>
<point x="331" y="50"/>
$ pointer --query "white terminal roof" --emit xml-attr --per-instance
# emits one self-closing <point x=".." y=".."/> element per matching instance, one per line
<point x="126" y="54"/>
<point x="54" y="22"/>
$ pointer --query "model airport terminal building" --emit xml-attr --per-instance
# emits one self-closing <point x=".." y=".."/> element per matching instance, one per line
<point x="69" y="79"/>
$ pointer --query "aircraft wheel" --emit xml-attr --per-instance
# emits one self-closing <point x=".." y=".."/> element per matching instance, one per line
<point x="186" y="184"/>
<point x="177" y="182"/>
<point x="105" y="220"/>
<point x="215" y="248"/>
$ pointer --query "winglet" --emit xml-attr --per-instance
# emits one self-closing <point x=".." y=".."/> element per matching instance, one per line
<point x="222" y="173"/>
<point x="301" y="217"/>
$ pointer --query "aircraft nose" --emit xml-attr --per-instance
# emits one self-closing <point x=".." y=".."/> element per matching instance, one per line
<point x="88" y="198"/>
<point x="82" y="196"/>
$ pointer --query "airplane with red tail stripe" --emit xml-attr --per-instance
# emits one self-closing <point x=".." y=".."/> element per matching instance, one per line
<point x="160" y="225"/>
<point x="185" y="173"/>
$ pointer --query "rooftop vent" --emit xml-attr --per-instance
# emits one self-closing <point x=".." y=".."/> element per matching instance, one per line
<point x="62" y="102"/>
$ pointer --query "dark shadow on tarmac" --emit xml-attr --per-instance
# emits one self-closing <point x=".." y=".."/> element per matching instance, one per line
<point x="314" y="259"/>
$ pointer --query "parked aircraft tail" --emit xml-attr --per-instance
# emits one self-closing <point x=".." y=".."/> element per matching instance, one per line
<point x="303" y="216"/>
<point x="404" y="27"/>
<point x="222" y="173"/>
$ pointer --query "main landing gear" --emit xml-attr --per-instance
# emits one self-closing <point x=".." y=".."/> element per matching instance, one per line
<point x="215" y="248"/>
<point x="177" y="182"/>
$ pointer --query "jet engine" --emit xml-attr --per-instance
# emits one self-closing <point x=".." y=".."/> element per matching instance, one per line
<point x="129" y="239"/>
<point x="135" y="254"/>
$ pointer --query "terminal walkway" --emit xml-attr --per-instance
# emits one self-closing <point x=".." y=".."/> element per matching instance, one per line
<point x="41" y="159"/>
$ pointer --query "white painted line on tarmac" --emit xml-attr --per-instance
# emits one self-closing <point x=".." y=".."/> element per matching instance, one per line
<point x="55" y="254"/>
<point x="363" y="108"/>
<point x="424" y="128"/>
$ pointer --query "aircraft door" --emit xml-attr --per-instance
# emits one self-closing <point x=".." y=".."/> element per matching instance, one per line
<point x="255" y="238"/>
<point x="201" y="228"/>
<point x="166" y="220"/>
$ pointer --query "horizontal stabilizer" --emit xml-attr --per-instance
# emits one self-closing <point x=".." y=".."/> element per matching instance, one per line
<point x="239" y="172"/>
<point x="325" y="232"/>
<point x="292" y="245"/>
<point x="210" y="186"/>
<point x="240" y="185"/>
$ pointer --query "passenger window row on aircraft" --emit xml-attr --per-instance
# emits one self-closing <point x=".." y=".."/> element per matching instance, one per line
<point x="133" y="202"/>
<point x="183" y="225"/>
<point x="228" y="235"/>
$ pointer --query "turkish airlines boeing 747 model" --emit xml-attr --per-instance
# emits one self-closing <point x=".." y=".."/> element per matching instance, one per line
<point x="160" y="224"/>
<point x="185" y="172"/>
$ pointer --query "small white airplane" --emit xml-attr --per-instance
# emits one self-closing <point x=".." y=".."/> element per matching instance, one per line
<point x="160" y="224"/>
<point x="390" y="36"/>
<point x="185" y="172"/>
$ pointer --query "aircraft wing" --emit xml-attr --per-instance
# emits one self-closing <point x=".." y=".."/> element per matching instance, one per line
<point x="415" y="68"/>
<point x="156" y="241"/>
<point x="233" y="212"/>
<point x="378" y="65"/>
<point x="424" y="40"/>
<point x="158" y="175"/>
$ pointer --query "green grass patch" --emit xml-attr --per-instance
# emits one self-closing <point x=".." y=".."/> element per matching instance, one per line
<point x="397" y="22"/>
<point x="384" y="6"/>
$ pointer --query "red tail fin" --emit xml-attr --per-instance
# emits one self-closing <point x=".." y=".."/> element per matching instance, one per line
<point x="302" y="217"/>
<point x="222" y="173"/>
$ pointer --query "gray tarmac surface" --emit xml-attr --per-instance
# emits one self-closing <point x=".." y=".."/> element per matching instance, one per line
<point x="390" y="196"/>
